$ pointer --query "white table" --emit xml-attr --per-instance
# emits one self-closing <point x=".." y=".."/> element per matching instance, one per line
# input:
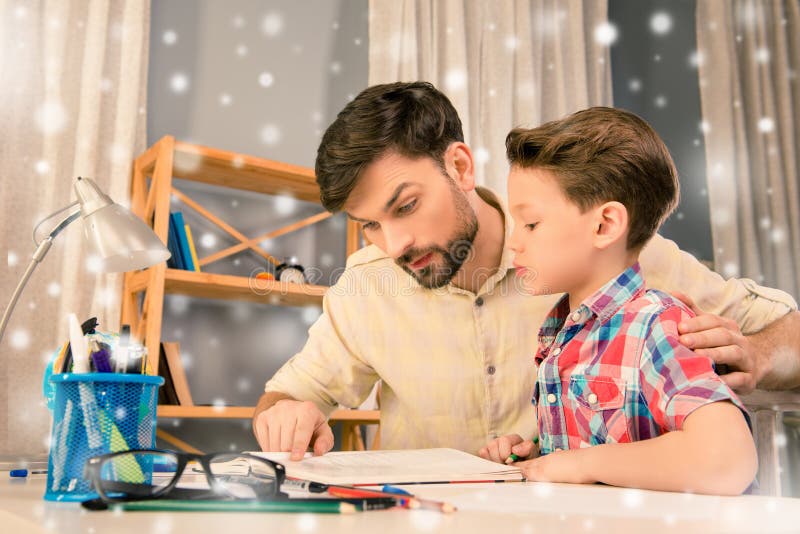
<point x="483" y="508"/>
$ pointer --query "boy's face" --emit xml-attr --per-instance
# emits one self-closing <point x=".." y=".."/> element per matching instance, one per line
<point x="417" y="215"/>
<point x="552" y="239"/>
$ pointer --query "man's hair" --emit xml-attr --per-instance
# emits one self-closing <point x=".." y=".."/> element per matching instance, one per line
<point x="414" y="120"/>
<point x="604" y="154"/>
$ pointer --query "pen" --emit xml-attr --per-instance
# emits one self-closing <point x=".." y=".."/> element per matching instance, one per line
<point x="100" y="358"/>
<point x="303" y="485"/>
<point x="514" y="458"/>
<point x="289" y="506"/>
<point x="80" y="364"/>
<point x="22" y="473"/>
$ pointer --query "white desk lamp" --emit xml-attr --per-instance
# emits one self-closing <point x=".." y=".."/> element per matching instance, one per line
<point x="121" y="240"/>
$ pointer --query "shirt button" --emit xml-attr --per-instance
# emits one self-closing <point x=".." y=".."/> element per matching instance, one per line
<point x="479" y="301"/>
<point x="576" y="316"/>
<point x="592" y="398"/>
<point x="490" y="369"/>
<point x="551" y="398"/>
<point x="556" y="351"/>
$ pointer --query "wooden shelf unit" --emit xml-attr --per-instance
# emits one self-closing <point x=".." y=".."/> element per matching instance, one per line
<point x="151" y="189"/>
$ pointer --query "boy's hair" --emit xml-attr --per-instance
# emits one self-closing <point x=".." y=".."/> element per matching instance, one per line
<point x="412" y="119"/>
<point x="604" y="154"/>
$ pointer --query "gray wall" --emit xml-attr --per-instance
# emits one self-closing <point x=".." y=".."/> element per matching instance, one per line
<point x="654" y="77"/>
<point x="261" y="78"/>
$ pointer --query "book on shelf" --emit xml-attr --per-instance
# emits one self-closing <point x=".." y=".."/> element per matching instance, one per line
<point x="192" y="248"/>
<point x="176" y="218"/>
<point x="413" y="466"/>
<point x="166" y="393"/>
<point x="175" y="261"/>
<point x="172" y="353"/>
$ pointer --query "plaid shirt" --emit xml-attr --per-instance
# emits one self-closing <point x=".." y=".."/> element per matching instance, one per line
<point x="613" y="370"/>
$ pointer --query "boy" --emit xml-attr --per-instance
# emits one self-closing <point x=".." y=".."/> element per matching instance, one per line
<point x="619" y="400"/>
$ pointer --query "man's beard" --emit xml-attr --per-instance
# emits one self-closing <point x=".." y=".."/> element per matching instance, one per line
<point x="457" y="251"/>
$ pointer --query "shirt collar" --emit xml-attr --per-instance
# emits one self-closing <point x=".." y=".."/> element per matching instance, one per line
<point x="507" y="256"/>
<point x="603" y="303"/>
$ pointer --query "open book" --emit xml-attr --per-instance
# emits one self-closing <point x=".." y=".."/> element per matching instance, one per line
<point x="395" y="467"/>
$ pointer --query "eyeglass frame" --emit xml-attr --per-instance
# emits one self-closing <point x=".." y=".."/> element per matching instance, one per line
<point x="93" y="467"/>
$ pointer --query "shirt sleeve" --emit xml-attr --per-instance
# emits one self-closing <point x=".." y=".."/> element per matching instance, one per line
<point x="753" y="307"/>
<point x="674" y="380"/>
<point x="328" y="371"/>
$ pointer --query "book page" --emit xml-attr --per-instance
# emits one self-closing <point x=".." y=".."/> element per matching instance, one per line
<point x="396" y="467"/>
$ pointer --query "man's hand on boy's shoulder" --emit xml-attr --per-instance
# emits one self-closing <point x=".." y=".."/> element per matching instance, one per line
<point x="720" y="339"/>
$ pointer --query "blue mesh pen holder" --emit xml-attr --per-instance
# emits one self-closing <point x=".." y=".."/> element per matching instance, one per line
<point x="96" y="413"/>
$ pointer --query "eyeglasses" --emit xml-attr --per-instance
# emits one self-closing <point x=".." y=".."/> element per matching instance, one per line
<point x="152" y="473"/>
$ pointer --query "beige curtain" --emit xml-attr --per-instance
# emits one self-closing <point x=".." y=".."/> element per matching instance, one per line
<point x="503" y="64"/>
<point x="749" y="69"/>
<point x="73" y="104"/>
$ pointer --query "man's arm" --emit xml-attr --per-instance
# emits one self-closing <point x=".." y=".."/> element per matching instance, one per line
<point x="767" y="356"/>
<point x="769" y="359"/>
<point x="713" y="453"/>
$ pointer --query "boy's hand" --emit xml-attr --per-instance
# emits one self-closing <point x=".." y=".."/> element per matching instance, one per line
<point x="498" y="450"/>
<point x="561" y="466"/>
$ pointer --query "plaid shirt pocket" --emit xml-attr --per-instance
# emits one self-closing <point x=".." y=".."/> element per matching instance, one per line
<point x="599" y="406"/>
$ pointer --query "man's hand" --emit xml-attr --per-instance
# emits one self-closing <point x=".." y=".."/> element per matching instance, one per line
<point x="289" y="425"/>
<point x="559" y="466"/>
<point x="721" y="340"/>
<point x="498" y="450"/>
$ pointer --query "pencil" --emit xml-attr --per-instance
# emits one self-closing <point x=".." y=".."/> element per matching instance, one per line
<point x="293" y="506"/>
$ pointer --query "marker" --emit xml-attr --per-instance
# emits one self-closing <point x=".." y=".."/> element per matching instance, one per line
<point x="22" y="473"/>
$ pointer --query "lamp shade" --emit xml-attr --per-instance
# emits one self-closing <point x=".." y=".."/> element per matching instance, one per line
<point x="121" y="240"/>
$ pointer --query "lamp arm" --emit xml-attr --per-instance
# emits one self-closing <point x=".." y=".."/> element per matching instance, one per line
<point x="38" y="256"/>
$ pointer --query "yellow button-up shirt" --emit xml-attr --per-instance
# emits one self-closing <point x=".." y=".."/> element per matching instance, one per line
<point x="457" y="367"/>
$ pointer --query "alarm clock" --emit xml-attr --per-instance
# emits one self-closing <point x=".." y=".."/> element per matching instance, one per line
<point x="290" y="272"/>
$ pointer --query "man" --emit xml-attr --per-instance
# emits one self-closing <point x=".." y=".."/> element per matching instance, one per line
<point x="433" y="309"/>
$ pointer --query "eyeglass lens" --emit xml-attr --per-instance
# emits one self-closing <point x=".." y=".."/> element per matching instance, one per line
<point x="145" y="474"/>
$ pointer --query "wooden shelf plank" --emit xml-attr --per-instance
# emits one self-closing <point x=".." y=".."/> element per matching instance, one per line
<point x="230" y="169"/>
<point x="223" y="286"/>
<point x="246" y="412"/>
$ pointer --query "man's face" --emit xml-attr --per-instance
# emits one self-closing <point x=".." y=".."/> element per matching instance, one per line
<point x="552" y="239"/>
<point x="416" y="214"/>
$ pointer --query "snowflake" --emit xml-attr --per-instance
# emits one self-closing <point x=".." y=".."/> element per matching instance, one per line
<point x="272" y="24"/>
<point x="661" y="23"/>
<point x="51" y="117"/>
<point x="511" y="43"/>
<point x="169" y="37"/>
<point x="243" y="384"/>
<point x="311" y="314"/>
<point x="777" y="235"/>
<point x="178" y="304"/>
<point x="179" y="83"/>
<point x="730" y="269"/>
<point x="357" y="41"/>
<point x="225" y="100"/>
<point x="238" y="21"/>
<point x="766" y="124"/>
<point x="306" y="523"/>
<point x="241" y="50"/>
<point x="336" y="67"/>
<point x="696" y="59"/>
<point x="266" y="79"/>
<point x="208" y="240"/>
<point x="660" y="101"/>
<point x="635" y="85"/>
<point x="326" y="260"/>
<point x="632" y="498"/>
<point x="42" y="167"/>
<point x="54" y="289"/>
<point x="335" y="25"/>
<point x="605" y="34"/>
<point x="762" y="55"/>
<point x="455" y="80"/>
<point x="704" y="126"/>
<point x="481" y="155"/>
<point x="270" y="135"/>
<point x="20" y="339"/>
<point x="94" y="263"/>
